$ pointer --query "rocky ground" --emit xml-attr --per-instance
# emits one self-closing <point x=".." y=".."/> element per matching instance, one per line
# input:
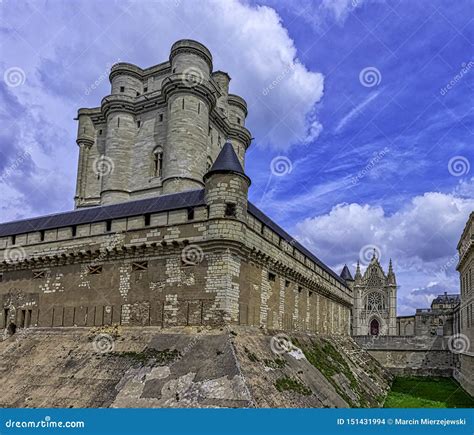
<point x="186" y="367"/>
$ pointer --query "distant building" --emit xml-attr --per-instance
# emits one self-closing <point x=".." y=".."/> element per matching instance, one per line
<point x="437" y="320"/>
<point x="375" y="299"/>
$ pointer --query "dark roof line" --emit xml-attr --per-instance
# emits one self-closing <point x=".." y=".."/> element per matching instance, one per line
<point x="80" y="216"/>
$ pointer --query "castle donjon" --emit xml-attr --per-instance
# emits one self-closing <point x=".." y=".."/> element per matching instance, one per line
<point x="163" y="234"/>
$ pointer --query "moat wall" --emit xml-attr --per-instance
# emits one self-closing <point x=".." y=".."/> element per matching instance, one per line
<point x="411" y="356"/>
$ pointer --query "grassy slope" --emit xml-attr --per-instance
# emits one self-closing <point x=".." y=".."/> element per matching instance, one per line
<point x="419" y="392"/>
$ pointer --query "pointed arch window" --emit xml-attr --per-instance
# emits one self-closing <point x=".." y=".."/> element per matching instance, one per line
<point x="157" y="166"/>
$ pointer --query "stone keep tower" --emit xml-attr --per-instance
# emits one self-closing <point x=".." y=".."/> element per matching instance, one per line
<point x="375" y="299"/>
<point x="160" y="129"/>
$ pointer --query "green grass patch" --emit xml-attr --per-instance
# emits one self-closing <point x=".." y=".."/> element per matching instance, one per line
<point x="276" y="363"/>
<point x="427" y="392"/>
<point x="292" y="384"/>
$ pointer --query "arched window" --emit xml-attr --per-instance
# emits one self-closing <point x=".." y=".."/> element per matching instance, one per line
<point x="374" y="301"/>
<point x="157" y="168"/>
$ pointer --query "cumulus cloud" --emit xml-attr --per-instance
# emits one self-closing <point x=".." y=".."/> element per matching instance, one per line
<point x="421" y="237"/>
<point x="65" y="73"/>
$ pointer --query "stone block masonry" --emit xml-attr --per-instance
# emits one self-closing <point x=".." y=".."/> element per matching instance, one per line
<point x="172" y="239"/>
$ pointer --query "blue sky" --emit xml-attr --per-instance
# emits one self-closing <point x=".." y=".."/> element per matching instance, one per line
<point x="361" y="114"/>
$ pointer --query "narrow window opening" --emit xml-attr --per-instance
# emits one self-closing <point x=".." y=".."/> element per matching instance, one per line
<point x="74" y="230"/>
<point x="42" y="235"/>
<point x="271" y="276"/>
<point x="100" y="132"/>
<point x="300" y="289"/>
<point x="174" y="70"/>
<point x="183" y="103"/>
<point x="145" y="89"/>
<point x="13" y="240"/>
<point x="161" y="117"/>
<point x="6" y="314"/>
<point x="122" y="88"/>
<point x="157" y="163"/>
<point x="118" y="122"/>
<point x="287" y="283"/>
<point x="108" y="225"/>
<point x="190" y="214"/>
<point x="138" y="94"/>
<point x="239" y="121"/>
<point x="1" y="277"/>
<point x="147" y="219"/>
<point x="139" y="123"/>
<point x="230" y="209"/>
<point x="199" y="108"/>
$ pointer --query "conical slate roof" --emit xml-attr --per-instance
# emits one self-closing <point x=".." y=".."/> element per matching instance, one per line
<point x="346" y="273"/>
<point x="227" y="162"/>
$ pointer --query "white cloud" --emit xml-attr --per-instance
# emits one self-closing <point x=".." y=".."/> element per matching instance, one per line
<point x="356" y="111"/>
<point x="421" y="237"/>
<point x="64" y="52"/>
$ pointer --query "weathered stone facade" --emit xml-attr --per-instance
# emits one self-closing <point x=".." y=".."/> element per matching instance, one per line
<point x="375" y="300"/>
<point x="463" y="342"/>
<point x="163" y="233"/>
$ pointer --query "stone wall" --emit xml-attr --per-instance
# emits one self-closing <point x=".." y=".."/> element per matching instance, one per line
<point x="176" y="271"/>
<point x="417" y="356"/>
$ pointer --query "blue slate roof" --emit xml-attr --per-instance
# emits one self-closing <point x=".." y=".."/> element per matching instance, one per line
<point x="227" y="162"/>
